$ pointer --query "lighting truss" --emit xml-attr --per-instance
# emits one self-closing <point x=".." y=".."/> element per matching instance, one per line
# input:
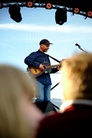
<point x="86" y="14"/>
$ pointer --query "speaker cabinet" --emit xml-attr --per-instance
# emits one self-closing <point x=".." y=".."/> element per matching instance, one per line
<point x="45" y="106"/>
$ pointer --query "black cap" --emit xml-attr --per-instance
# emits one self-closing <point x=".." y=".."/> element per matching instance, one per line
<point x="45" y="41"/>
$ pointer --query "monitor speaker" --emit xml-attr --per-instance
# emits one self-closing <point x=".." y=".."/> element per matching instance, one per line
<point x="46" y="106"/>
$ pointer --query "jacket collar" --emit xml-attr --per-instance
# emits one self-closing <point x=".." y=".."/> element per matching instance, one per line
<point x="69" y="103"/>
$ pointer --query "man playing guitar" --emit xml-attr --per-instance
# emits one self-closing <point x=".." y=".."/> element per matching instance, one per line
<point x="39" y="65"/>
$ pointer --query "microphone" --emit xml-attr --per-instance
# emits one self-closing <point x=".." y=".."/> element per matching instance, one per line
<point x="77" y="45"/>
<point x="80" y="48"/>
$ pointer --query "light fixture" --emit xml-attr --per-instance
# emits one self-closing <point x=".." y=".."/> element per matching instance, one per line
<point x="61" y="16"/>
<point x="0" y="5"/>
<point x="29" y="4"/>
<point x="89" y="14"/>
<point x="76" y="10"/>
<point x="14" y="11"/>
<point x="48" y="6"/>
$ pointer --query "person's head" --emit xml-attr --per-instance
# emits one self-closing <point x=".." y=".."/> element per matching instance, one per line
<point x="44" y="45"/>
<point x="76" y="77"/>
<point x="16" y="93"/>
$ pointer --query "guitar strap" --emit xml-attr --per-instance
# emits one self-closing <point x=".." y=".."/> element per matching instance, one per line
<point x="59" y="62"/>
<point x="54" y="58"/>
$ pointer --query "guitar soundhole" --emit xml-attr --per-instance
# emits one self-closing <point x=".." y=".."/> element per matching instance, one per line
<point x="35" y="69"/>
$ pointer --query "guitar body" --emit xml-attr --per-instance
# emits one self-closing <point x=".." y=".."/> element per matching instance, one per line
<point x="35" y="71"/>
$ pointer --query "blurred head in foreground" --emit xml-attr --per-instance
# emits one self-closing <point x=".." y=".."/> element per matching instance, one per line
<point x="18" y="116"/>
<point x="76" y="77"/>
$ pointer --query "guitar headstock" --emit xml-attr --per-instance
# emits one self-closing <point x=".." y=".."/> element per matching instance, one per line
<point x="61" y="63"/>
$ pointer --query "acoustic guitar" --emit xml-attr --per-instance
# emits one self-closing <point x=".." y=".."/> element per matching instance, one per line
<point x="37" y="72"/>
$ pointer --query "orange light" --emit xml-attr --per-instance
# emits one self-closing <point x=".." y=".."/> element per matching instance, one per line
<point x="89" y="13"/>
<point x="0" y="5"/>
<point x="76" y="10"/>
<point x="29" y="4"/>
<point x="48" y="6"/>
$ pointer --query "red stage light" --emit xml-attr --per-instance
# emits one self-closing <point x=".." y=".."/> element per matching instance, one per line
<point x="0" y="5"/>
<point x="89" y="13"/>
<point x="76" y="10"/>
<point x="48" y="6"/>
<point x="29" y="4"/>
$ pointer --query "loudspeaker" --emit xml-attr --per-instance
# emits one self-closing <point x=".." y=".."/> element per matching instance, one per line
<point x="45" y="106"/>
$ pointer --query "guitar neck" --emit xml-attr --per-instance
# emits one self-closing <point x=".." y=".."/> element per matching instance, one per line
<point x="52" y="66"/>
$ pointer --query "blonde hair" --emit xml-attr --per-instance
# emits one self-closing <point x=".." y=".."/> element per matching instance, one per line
<point x="13" y="84"/>
<point x="76" y="77"/>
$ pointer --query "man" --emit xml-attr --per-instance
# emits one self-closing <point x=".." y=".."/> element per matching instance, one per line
<point x="37" y="62"/>
<point x="75" y="116"/>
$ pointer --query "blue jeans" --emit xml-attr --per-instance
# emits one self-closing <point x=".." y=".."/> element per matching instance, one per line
<point x="43" y="92"/>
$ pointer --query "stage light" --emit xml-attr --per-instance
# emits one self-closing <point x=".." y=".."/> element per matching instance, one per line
<point x="30" y="4"/>
<point x="76" y="10"/>
<point x="0" y="5"/>
<point x="89" y="13"/>
<point x="48" y="6"/>
<point x="14" y="11"/>
<point x="61" y="16"/>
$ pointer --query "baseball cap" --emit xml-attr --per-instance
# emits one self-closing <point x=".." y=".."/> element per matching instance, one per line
<point x="45" y="41"/>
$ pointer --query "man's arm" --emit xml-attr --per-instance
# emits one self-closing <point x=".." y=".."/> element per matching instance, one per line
<point x="30" y="60"/>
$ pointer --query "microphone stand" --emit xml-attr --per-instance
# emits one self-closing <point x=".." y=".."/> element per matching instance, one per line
<point x="81" y="48"/>
<point x="54" y="86"/>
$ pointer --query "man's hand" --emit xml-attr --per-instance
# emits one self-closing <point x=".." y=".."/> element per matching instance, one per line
<point x="59" y="67"/>
<point x="41" y="67"/>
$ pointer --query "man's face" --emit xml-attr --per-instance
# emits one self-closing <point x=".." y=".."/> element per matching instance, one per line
<point x="44" y="47"/>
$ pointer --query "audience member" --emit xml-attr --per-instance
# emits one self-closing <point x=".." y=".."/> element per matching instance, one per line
<point x="19" y="118"/>
<point x="75" y="116"/>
